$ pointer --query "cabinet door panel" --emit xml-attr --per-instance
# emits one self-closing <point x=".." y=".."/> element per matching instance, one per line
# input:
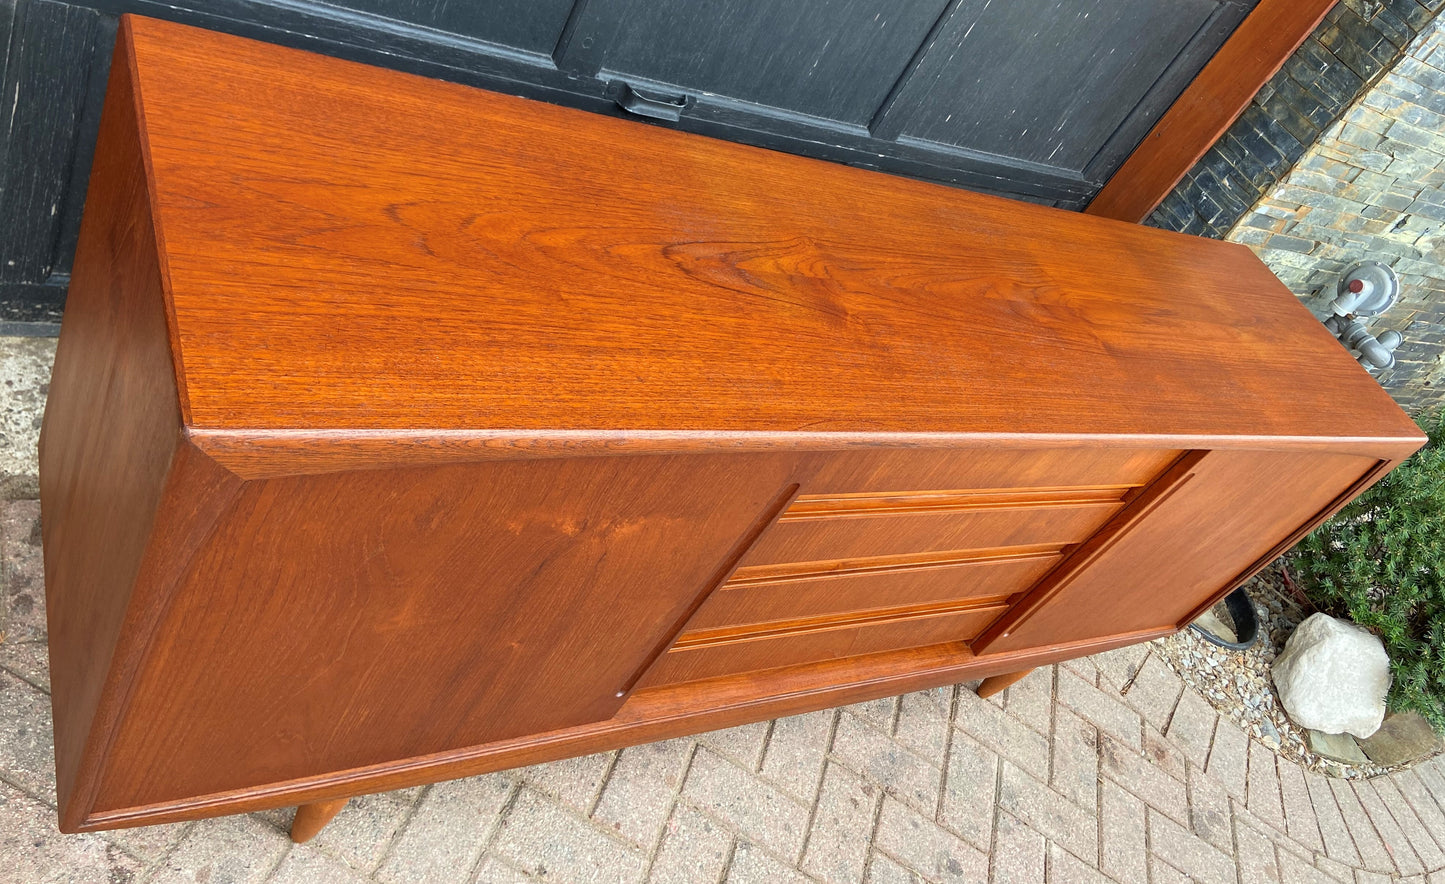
<point x="1230" y="513"/>
<point x="359" y="618"/>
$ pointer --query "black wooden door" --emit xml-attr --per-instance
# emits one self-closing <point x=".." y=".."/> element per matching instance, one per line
<point x="1033" y="99"/>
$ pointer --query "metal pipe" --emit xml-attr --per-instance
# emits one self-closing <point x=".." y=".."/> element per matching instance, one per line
<point x="1374" y="352"/>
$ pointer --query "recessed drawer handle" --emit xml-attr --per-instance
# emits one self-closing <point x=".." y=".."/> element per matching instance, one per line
<point x="644" y="105"/>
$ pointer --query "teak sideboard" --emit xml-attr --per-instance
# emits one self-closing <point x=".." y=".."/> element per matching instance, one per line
<point x="402" y="431"/>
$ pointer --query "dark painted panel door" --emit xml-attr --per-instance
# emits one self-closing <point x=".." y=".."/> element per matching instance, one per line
<point x="832" y="59"/>
<point x="529" y="25"/>
<point x="1010" y="79"/>
<point x="1038" y="100"/>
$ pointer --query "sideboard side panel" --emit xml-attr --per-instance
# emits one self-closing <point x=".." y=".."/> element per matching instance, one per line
<point x="1231" y="511"/>
<point x="112" y="423"/>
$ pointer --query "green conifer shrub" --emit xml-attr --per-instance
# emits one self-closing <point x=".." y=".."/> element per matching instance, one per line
<point x="1381" y="563"/>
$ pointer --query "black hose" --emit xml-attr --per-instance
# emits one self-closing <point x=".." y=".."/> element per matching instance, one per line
<point x="1246" y="623"/>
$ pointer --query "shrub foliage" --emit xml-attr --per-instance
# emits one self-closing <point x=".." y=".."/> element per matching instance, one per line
<point x="1381" y="563"/>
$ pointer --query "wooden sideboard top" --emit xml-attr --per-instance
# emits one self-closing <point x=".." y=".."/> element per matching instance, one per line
<point x="348" y="249"/>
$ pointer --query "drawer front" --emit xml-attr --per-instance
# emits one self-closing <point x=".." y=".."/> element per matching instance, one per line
<point x="883" y="525"/>
<point x="709" y="653"/>
<point x="868" y="558"/>
<point x="855" y="474"/>
<point x="763" y="594"/>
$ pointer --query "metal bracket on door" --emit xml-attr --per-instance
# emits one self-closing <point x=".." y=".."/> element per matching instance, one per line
<point x="647" y="104"/>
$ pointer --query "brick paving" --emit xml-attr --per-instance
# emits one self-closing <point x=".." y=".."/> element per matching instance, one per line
<point x="1102" y="769"/>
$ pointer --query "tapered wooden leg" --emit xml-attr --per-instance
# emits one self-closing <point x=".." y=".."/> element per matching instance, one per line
<point x="312" y="818"/>
<point x="995" y="683"/>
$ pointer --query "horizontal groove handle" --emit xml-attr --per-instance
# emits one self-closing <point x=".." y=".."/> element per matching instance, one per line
<point x="769" y="629"/>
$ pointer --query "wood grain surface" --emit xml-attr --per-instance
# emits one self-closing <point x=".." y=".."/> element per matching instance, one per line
<point x="401" y="431"/>
<point x="449" y="606"/>
<point x="606" y="278"/>
<point x="310" y="819"/>
<point x="112" y="424"/>
<point x="929" y="579"/>
<point x="844" y="574"/>
<point x="733" y="651"/>
<point x="1195" y="540"/>
<point x="656" y="714"/>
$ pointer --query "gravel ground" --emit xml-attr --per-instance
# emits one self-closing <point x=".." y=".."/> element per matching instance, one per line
<point x="1237" y="683"/>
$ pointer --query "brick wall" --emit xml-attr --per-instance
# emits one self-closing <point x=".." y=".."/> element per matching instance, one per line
<point x="1341" y="158"/>
<point x="1358" y="42"/>
<point x="1373" y="187"/>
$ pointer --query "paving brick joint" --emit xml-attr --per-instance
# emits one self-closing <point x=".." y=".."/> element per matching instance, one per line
<point x="1106" y="768"/>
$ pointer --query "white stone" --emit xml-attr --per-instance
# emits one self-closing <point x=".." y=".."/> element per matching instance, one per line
<point x="1333" y="676"/>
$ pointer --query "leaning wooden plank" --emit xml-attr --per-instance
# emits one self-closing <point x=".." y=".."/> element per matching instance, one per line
<point x="1216" y="98"/>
